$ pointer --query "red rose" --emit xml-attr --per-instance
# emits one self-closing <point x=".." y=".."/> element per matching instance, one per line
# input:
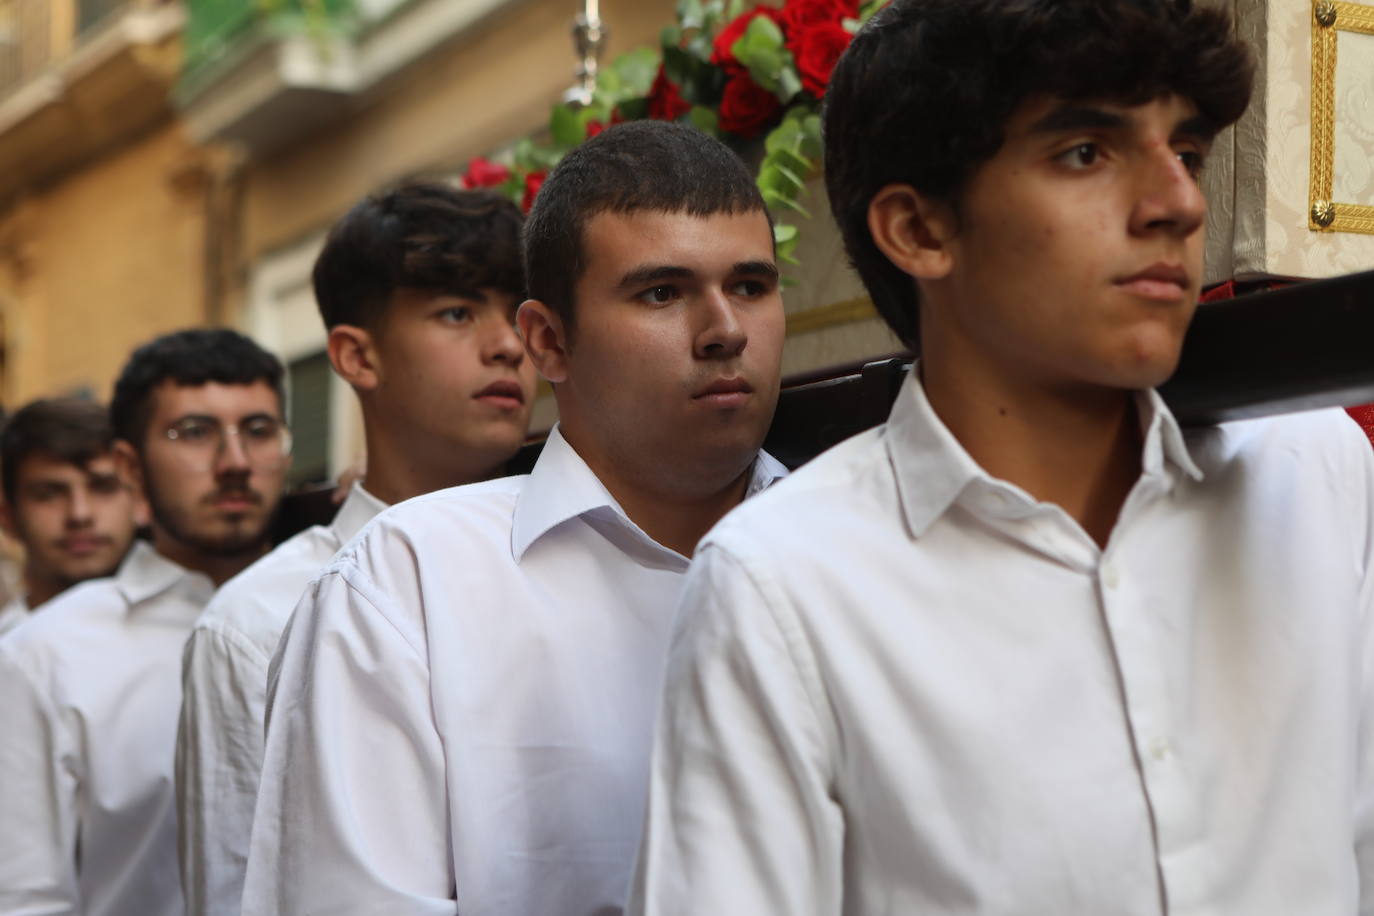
<point x="594" y="127"/>
<point x="800" y="15"/>
<point x="721" y="55"/>
<point x="665" y="102"/>
<point x="483" y="173"/>
<point x="533" y="182"/>
<point x="746" y="107"/>
<point x="816" y="51"/>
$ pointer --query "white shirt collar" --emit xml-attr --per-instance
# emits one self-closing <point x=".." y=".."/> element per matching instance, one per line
<point x="357" y="510"/>
<point x="561" y="487"/>
<point x="932" y="468"/>
<point x="145" y="573"/>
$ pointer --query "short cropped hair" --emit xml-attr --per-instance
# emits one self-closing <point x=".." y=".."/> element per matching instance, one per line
<point x="924" y="92"/>
<point x="193" y="357"/>
<point x="422" y="235"/>
<point x="72" y="430"/>
<point x="635" y="166"/>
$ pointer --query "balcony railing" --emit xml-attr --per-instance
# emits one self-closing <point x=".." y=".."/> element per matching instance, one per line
<point x="37" y="34"/>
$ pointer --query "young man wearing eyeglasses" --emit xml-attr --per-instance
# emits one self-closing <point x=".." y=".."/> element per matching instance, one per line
<point x="91" y="686"/>
<point x="65" y="500"/>
<point x="418" y="288"/>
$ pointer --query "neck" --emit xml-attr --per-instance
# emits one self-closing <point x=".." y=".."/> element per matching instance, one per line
<point x="675" y="519"/>
<point x="1078" y="449"/>
<point x="40" y="589"/>
<point x="218" y="567"/>
<point x="399" y="468"/>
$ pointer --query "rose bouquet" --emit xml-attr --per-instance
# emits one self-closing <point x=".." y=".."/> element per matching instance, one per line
<point x="737" y="71"/>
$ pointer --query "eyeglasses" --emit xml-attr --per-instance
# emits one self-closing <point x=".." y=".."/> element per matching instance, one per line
<point x="264" y="441"/>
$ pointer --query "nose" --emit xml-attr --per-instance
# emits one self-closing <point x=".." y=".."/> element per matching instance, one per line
<point x="232" y="456"/>
<point x="502" y="343"/>
<point x="1168" y="197"/>
<point x="722" y="335"/>
<point x="79" y="508"/>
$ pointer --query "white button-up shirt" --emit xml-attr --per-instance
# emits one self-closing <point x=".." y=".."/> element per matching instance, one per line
<point x="224" y="683"/>
<point x="89" y="692"/>
<point x="463" y="709"/>
<point x="901" y="686"/>
<point x="12" y="614"/>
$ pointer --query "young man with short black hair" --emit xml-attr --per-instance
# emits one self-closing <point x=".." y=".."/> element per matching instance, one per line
<point x="91" y="686"/>
<point x="1030" y="647"/>
<point x="65" y="500"/>
<point x="418" y="288"/>
<point x="462" y="715"/>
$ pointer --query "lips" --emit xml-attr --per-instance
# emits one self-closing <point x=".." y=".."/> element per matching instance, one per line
<point x="1161" y="282"/>
<point x="235" y="500"/>
<point x="726" y="392"/>
<point x="80" y="546"/>
<point x="505" y="394"/>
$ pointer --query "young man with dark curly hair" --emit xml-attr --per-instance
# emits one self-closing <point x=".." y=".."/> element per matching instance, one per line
<point x="464" y="704"/>
<point x="1030" y="647"/>
<point x="417" y="287"/>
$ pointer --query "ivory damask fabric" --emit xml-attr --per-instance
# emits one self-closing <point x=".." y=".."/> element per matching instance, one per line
<point x="1257" y="185"/>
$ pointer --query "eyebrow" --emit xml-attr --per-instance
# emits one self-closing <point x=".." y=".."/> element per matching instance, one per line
<point x="206" y="418"/>
<point x="656" y="273"/>
<point x="1087" y="117"/>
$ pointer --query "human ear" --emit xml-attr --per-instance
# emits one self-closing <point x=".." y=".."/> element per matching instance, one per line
<point x="545" y="339"/>
<point x="912" y="231"/>
<point x="353" y="354"/>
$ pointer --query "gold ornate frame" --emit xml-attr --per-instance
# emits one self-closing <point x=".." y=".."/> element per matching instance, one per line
<point x="1325" y="214"/>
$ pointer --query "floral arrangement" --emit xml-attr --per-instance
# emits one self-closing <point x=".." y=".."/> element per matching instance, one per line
<point x="734" y="70"/>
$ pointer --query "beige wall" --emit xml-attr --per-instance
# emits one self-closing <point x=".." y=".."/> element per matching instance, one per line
<point x="101" y="261"/>
<point x="493" y="85"/>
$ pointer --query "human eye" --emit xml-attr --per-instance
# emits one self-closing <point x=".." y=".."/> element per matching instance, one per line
<point x="261" y="428"/>
<point x="44" y="492"/>
<point x="1080" y="155"/>
<point x="192" y="430"/>
<point x="1193" y="160"/>
<point x="457" y="314"/>
<point x="105" y="484"/>
<point x="660" y="295"/>
<point x="751" y="288"/>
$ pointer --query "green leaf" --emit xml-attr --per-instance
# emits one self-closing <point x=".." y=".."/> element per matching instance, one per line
<point x="633" y="109"/>
<point x="784" y="233"/>
<point x="704" y="119"/>
<point x="793" y="162"/>
<point x="690" y="14"/>
<point x="566" y="126"/>
<point x="734" y="9"/>
<point x="868" y="9"/>
<point x="636" y="71"/>
<point x="785" y="238"/>
<point x="789" y="83"/>
<point x="786" y="135"/>
<point x="671" y="36"/>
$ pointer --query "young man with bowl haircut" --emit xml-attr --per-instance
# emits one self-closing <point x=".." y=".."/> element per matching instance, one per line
<point x="1030" y="647"/>
<point x="464" y="701"/>
<point x="418" y="288"/>
<point x="65" y="500"/>
<point x="91" y="685"/>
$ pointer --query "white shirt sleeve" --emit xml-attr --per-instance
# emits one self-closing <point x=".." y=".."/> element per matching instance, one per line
<point x="1361" y="481"/>
<point x="741" y="816"/>
<point x="218" y="761"/>
<point x="38" y="788"/>
<point x="352" y="812"/>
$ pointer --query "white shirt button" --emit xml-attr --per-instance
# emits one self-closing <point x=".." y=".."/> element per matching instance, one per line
<point x="1160" y="749"/>
<point x="1110" y="578"/>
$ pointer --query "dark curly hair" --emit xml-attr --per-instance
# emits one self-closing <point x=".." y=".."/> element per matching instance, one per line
<point x="72" y="430"/>
<point x="923" y="94"/>
<point x="189" y="358"/>
<point x="421" y="235"/>
<point x="638" y="165"/>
